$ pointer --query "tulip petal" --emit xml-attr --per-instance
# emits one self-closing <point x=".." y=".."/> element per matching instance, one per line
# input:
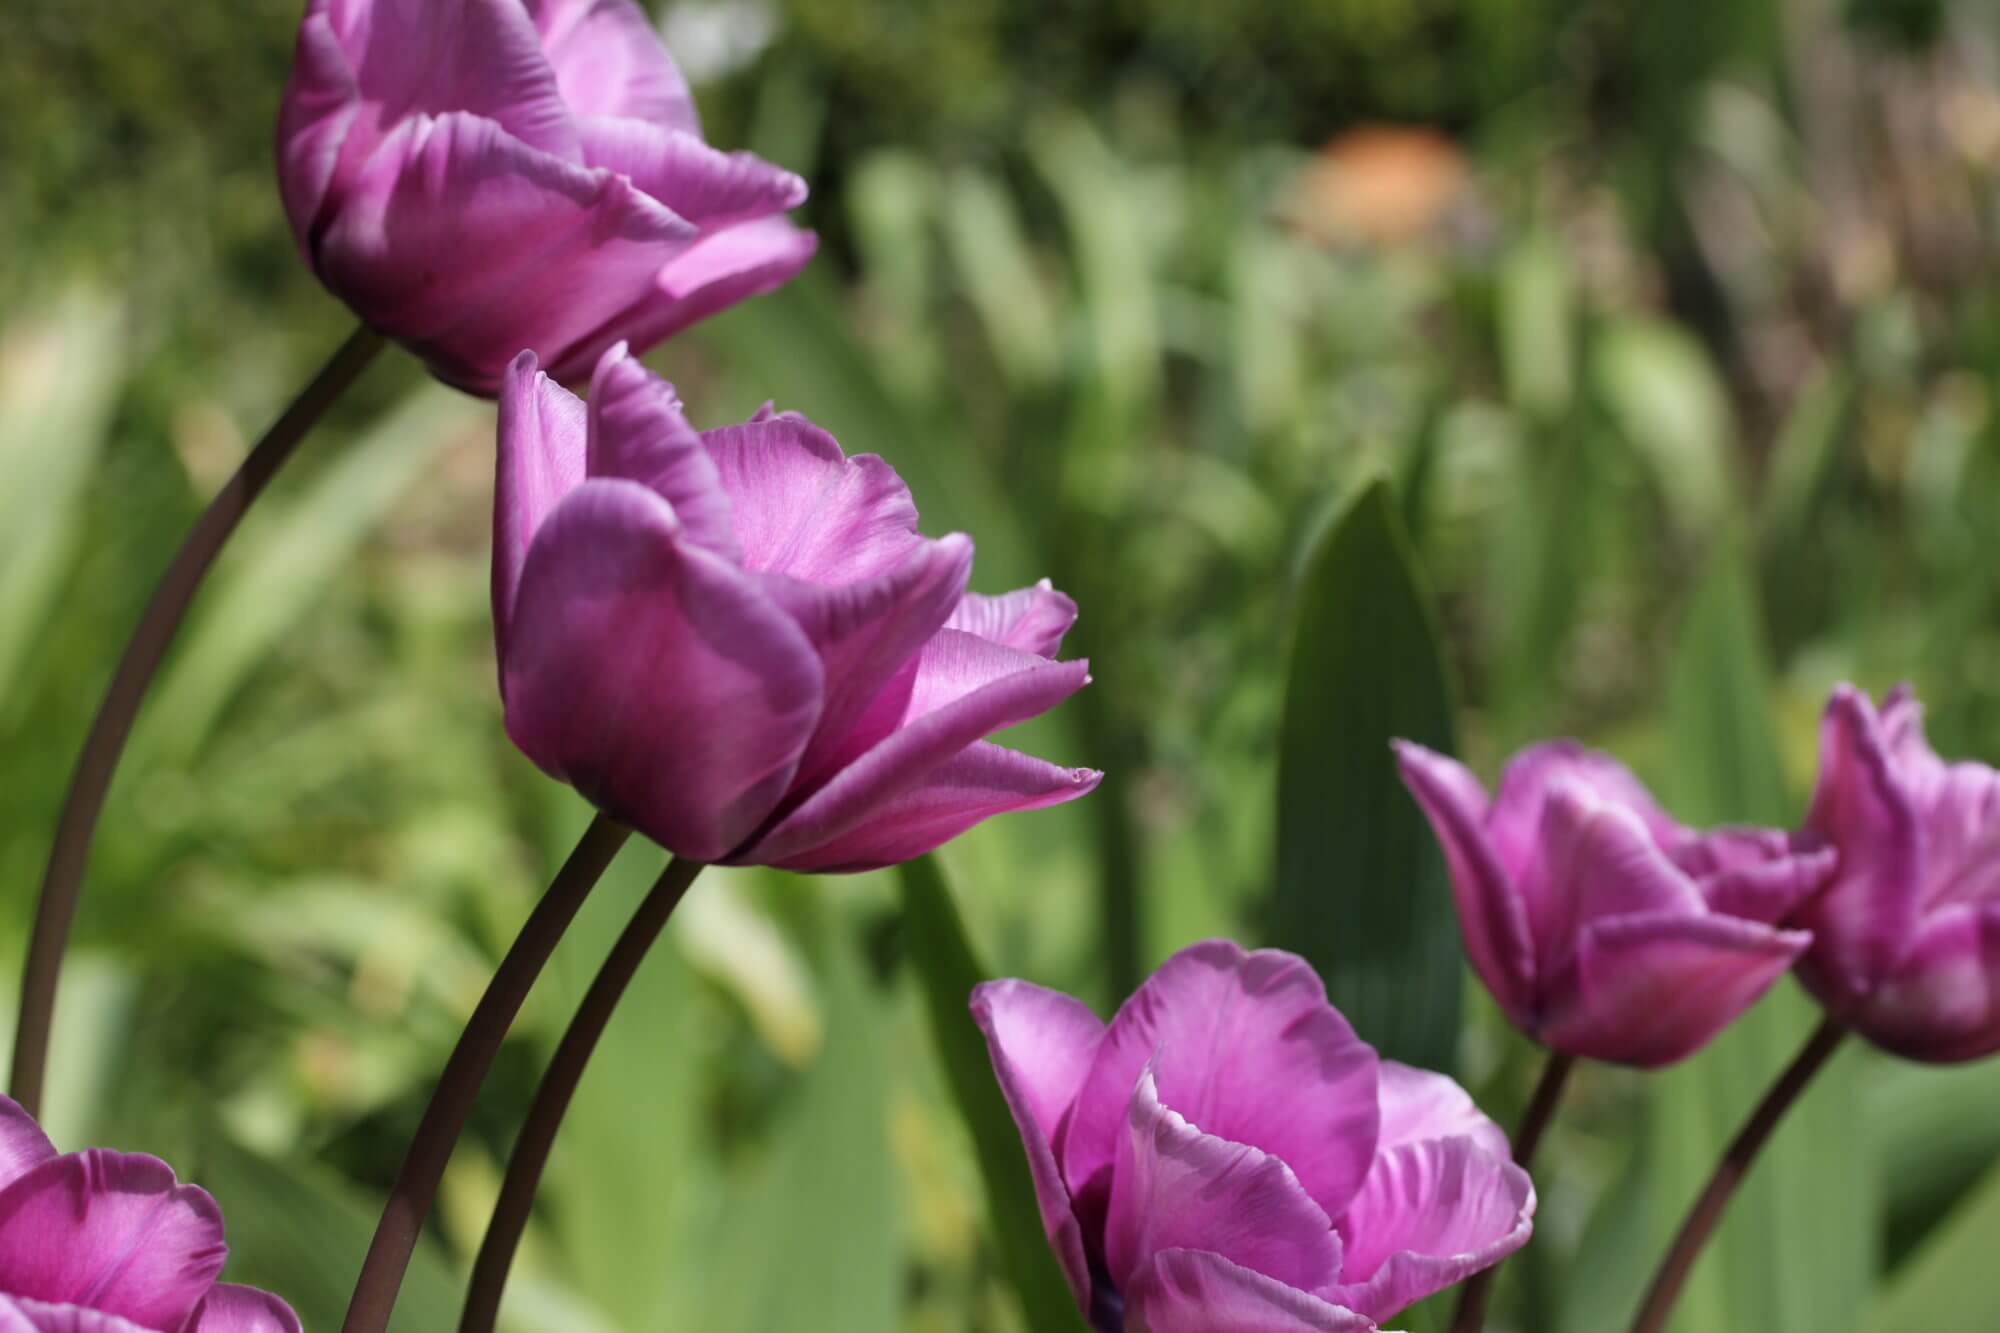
<point x="638" y="432"/>
<point x="1041" y="1042"/>
<point x="1175" y="1187"/>
<point x="1942" y="1002"/>
<point x="1194" y="1291"/>
<point x="805" y="510"/>
<point x="1432" y="1213"/>
<point x="468" y="245"/>
<point x="965" y="689"/>
<point x="705" y="185"/>
<point x="1418" y="1105"/>
<point x="654" y="676"/>
<point x="1959" y="812"/>
<point x="1862" y="920"/>
<point x="23" y="1145"/>
<point x="24" y="1316"/>
<point x="1033" y="620"/>
<point x="540" y="460"/>
<point x="112" y="1231"/>
<point x="1491" y="918"/>
<point x="609" y="61"/>
<point x="1648" y="990"/>
<point x="1247" y="1047"/>
<point x="233" y="1309"/>
<point x="315" y="119"/>
<point x="1600" y="861"/>
<point x="1515" y="822"/>
<point x="980" y="782"/>
<point x="1757" y="874"/>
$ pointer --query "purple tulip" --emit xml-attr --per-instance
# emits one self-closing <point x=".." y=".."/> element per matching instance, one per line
<point x="1603" y="928"/>
<point x="108" y="1242"/>
<point x="1906" y="939"/>
<point x="737" y="642"/>
<point x="1228" y="1157"/>
<point x="478" y="176"/>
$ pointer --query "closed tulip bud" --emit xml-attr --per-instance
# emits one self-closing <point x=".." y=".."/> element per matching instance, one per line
<point x="1603" y="928"/>
<point x="1906" y="939"/>
<point x="737" y="642"/>
<point x="478" y="176"/>
<point x="1227" y="1154"/>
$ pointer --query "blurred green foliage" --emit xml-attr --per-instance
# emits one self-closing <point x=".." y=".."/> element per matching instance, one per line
<point x="1676" y="328"/>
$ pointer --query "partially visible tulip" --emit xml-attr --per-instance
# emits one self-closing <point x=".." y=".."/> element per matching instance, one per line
<point x="737" y="642"/>
<point x="107" y="1242"/>
<point x="1906" y="940"/>
<point x="478" y="176"/>
<point x="1228" y="1157"/>
<point x="1603" y="928"/>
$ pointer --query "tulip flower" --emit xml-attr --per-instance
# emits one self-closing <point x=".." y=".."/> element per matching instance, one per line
<point x="108" y="1242"/>
<point x="1603" y="928"/>
<point x="1906" y="939"/>
<point x="1228" y="1156"/>
<point x="478" y="176"/>
<point x="737" y="642"/>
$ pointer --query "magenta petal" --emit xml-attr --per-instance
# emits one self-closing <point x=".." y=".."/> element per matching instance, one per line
<point x="232" y="1309"/>
<point x="1041" y="1042"/>
<point x="112" y="1231"/>
<point x="1247" y="1047"/>
<point x="22" y="1316"/>
<point x="965" y="689"/>
<point x="1958" y="810"/>
<point x="1530" y="776"/>
<point x="1650" y="990"/>
<point x="1491" y="917"/>
<point x="23" y="1146"/>
<point x="1033" y="620"/>
<point x="315" y="118"/>
<point x="1418" y="1104"/>
<point x="1600" y="862"/>
<point x="1942" y="1002"/>
<point x="609" y="61"/>
<point x="1756" y="874"/>
<point x="981" y="781"/>
<point x="1433" y="1213"/>
<point x="541" y="460"/>
<point x="1175" y="1187"/>
<point x="704" y="185"/>
<point x="654" y="676"/>
<point x="1863" y="918"/>
<point x="1193" y="1291"/>
<point x="638" y="431"/>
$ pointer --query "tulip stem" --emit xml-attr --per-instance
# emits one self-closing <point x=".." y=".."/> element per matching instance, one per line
<point x="1535" y="1122"/>
<point x="458" y="1086"/>
<point x="62" y="880"/>
<point x="1729" y="1172"/>
<point x="559" y="1084"/>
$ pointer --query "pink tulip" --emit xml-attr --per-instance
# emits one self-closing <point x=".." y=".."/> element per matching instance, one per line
<point x="1602" y="927"/>
<point x="1906" y="940"/>
<point x="107" y="1242"/>
<point x="478" y="176"/>
<point x="1227" y="1156"/>
<point x="737" y="642"/>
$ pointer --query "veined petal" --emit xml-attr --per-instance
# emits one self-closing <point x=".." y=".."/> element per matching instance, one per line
<point x="232" y="1309"/>
<point x="540" y="460"/>
<point x="1175" y="1187"/>
<point x="1757" y="874"/>
<point x="1247" y="1047"/>
<point x="1942" y="1001"/>
<point x="1195" y="1291"/>
<point x="23" y="1145"/>
<point x="23" y="1316"/>
<point x="1033" y="620"/>
<point x="654" y="676"/>
<point x="1433" y="1213"/>
<point x="707" y="186"/>
<point x="1601" y="862"/>
<point x="317" y="115"/>
<point x="115" y="1232"/>
<point x="1515" y="820"/>
<point x="1041" y="1042"/>
<point x="638" y="431"/>
<point x="1648" y="990"/>
<point x="1491" y="917"/>
<point x="609" y="61"/>
<point x="1418" y="1105"/>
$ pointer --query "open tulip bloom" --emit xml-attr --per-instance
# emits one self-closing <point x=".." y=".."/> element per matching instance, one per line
<point x="1906" y="940"/>
<point x="1603" y="928"/>
<point x="737" y="642"/>
<point x="478" y="176"/>
<point x="1228" y="1157"/>
<point x="108" y="1242"/>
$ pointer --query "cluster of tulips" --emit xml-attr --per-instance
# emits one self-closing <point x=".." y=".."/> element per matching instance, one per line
<point x="737" y="643"/>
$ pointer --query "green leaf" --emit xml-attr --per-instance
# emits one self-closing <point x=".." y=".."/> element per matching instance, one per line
<point x="1670" y="404"/>
<point x="947" y="970"/>
<point x="1361" y="886"/>
<point x="1952" y="1281"/>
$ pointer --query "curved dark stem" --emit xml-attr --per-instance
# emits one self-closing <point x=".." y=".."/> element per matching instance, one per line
<point x="458" y="1086"/>
<point x="1729" y="1172"/>
<point x="62" y="881"/>
<point x="552" y="1098"/>
<point x="1535" y="1122"/>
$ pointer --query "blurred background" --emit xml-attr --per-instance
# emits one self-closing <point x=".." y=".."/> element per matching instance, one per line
<point x="1674" y="328"/>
